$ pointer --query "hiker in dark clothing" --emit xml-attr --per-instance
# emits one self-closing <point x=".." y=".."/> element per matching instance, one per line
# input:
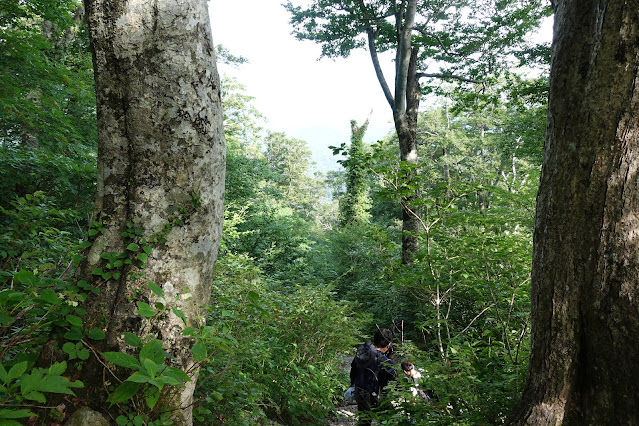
<point x="371" y="370"/>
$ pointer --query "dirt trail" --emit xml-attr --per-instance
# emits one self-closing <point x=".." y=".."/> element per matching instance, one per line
<point x="345" y="412"/>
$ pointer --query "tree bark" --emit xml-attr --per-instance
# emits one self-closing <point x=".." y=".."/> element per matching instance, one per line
<point x="161" y="163"/>
<point x="406" y="128"/>
<point x="585" y="279"/>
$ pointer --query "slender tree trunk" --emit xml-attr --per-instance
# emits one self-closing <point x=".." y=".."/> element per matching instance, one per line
<point x="585" y="280"/>
<point x="161" y="169"/>
<point x="406" y="128"/>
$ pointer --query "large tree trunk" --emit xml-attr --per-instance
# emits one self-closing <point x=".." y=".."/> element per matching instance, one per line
<point x="161" y="169"/>
<point x="585" y="281"/>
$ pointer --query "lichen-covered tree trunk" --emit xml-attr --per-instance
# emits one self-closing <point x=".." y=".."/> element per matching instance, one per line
<point x="161" y="163"/>
<point x="585" y="280"/>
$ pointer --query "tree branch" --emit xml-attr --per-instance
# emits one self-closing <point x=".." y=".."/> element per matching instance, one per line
<point x="403" y="62"/>
<point x="373" y="52"/>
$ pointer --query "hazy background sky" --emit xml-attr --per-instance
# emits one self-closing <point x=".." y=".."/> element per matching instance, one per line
<point x="299" y="95"/>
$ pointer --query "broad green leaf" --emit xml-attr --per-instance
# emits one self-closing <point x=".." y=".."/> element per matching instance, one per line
<point x="6" y="413"/>
<point x="123" y="392"/>
<point x="133" y="247"/>
<point x="121" y="359"/>
<point x="96" y="334"/>
<point x="56" y="384"/>
<point x="199" y="351"/>
<point x="156" y="288"/>
<point x="74" y="320"/>
<point x="145" y="310"/>
<point x="50" y="296"/>
<point x="139" y="377"/>
<point x="30" y="382"/>
<point x="35" y="396"/>
<point x="25" y="277"/>
<point x="153" y="351"/>
<point x="17" y="370"/>
<point x="5" y="319"/>
<point x="75" y="333"/>
<point x="132" y="339"/>
<point x="58" y="368"/>
<point x="168" y="380"/>
<point x="150" y="367"/>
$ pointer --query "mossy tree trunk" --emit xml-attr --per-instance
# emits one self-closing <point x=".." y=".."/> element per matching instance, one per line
<point x="161" y="163"/>
<point x="585" y="280"/>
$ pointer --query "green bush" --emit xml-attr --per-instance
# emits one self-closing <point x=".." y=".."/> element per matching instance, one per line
<point x="272" y="354"/>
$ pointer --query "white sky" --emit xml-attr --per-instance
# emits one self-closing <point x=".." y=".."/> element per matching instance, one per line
<point x="299" y="95"/>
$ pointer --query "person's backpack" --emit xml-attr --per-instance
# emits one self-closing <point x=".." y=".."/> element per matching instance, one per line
<point x="367" y="360"/>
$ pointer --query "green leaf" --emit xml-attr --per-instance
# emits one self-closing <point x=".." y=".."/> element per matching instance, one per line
<point x="150" y="367"/>
<point x="133" y="247"/>
<point x="58" y="368"/>
<point x="152" y="397"/>
<point x="14" y="414"/>
<point x="3" y="374"/>
<point x="75" y="333"/>
<point x="96" y="334"/>
<point x="70" y="349"/>
<point x="74" y="320"/>
<point x="17" y="370"/>
<point x="50" y="296"/>
<point x="84" y="354"/>
<point x="35" y="396"/>
<point x="121" y="359"/>
<point x="147" y="249"/>
<point x="25" y="277"/>
<point x="122" y="420"/>
<point x="139" y="377"/>
<point x="145" y="310"/>
<point x="30" y="382"/>
<point x="143" y="257"/>
<point x="123" y="392"/>
<point x="153" y="351"/>
<point x="132" y="339"/>
<point x="199" y="351"/>
<point x="57" y="384"/>
<point x="189" y="331"/>
<point x="177" y="373"/>
<point x="179" y="314"/>
<point x="156" y="288"/>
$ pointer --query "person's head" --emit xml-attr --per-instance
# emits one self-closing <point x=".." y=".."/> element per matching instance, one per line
<point x="408" y="367"/>
<point x="383" y="338"/>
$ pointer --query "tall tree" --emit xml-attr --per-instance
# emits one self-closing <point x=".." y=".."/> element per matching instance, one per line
<point x="354" y="205"/>
<point x="159" y="205"/>
<point x="468" y="39"/>
<point x="585" y="279"/>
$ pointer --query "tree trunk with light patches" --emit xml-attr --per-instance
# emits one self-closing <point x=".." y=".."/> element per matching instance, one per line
<point x="161" y="164"/>
<point x="585" y="280"/>
<point x="406" y="128"/>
